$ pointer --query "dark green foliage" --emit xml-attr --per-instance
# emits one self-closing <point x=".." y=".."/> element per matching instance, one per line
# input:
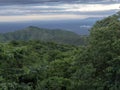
<point x="99" y="62"/>
<point x="35" y="65"/>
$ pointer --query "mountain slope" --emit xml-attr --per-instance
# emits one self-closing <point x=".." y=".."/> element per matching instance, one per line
<point x="35" y="33"/>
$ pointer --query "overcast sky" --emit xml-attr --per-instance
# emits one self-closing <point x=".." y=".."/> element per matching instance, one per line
<point x="24" y="10"/>
<point x="39" y="1"/>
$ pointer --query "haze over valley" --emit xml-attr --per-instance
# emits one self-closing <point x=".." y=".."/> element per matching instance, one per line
<point x="73" y="15"/>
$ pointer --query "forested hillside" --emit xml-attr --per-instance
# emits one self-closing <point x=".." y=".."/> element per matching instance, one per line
<point x="46" y="35"/>
<point x="35" y="65"/>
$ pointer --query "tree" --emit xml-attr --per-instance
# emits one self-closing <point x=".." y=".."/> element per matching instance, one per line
<point x="99" y="62"/>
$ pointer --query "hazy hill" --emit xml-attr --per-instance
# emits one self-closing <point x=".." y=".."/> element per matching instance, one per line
<point x="35" y="33"/>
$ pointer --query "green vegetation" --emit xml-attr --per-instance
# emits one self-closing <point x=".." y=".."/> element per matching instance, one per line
<point x="35" y="33"/>
<point x="37" y="65"/>
<point x="99" y="64"/>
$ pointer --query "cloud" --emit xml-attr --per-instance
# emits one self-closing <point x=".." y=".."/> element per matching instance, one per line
<point x="92" y="7"/>
<point x="46" y="1"/>
<point x="55" y="11"/>
<point x="39" y="17"/>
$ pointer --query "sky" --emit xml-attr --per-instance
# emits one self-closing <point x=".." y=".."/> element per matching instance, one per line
<point x="32" y="10"/>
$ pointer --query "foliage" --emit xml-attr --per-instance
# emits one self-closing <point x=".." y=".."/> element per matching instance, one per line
<point x="99" y="62"/>
<point x="46" y="35"/>
<point x="35" y="65"/>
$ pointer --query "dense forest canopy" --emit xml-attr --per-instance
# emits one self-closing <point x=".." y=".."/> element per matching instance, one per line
<point x="38" y="65"/>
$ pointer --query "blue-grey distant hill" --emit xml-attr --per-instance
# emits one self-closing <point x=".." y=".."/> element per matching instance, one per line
<point x="79" y="26"/>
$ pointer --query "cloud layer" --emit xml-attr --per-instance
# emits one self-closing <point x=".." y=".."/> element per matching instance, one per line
<point x="44" y="1"/>
<point x="51" y="11"/>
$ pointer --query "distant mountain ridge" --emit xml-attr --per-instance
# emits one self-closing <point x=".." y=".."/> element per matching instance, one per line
<point x="35" y="33"/>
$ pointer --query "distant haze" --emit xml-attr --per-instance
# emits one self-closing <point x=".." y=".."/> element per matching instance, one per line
<point x="27" y="10"/>
<point x="38" y="11"/>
